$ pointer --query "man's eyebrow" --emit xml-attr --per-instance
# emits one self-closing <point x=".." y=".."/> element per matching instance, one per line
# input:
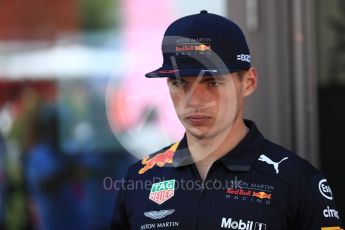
<point x="205" y="79"/>
<point x="175" y="79"/>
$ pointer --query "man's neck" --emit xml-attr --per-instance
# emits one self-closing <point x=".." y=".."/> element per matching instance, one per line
<point x="205" y="151"/>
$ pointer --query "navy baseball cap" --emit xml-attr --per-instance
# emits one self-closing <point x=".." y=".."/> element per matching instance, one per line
<point x="204" y="43"/>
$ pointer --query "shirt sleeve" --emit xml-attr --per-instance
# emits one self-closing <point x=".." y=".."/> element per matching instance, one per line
<point x="119" y="219"/>
<point x="317" y="209"/>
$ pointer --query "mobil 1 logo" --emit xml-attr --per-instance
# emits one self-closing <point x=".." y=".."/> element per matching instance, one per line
<point x="230" y="223"/>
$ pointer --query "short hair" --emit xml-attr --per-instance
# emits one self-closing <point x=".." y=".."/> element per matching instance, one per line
<point x="241" y="73"/>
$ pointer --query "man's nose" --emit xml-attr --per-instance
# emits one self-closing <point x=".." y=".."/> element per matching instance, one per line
<point x="196" y="96"/>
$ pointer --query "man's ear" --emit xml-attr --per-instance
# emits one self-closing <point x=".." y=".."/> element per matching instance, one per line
<point x="249" y="82"/>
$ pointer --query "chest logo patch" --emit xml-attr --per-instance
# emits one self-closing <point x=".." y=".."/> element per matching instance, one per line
<point x="159" y="214"/>
<point x="266" y="159"/>
<point x="162" y="191"/>
<point x="160" y="159"/>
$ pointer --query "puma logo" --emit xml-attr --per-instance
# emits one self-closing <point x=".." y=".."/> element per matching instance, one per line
<point x="270" y="162"/>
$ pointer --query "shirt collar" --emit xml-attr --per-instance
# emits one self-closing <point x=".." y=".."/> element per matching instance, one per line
<point x="238" y="159"/>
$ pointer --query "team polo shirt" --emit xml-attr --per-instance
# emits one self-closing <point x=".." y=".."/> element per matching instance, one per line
<point x="258" y="185"/>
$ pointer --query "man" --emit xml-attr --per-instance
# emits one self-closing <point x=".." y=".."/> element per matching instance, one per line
<point x="223" y="174"/>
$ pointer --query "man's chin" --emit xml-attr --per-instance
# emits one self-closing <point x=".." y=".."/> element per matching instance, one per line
<point x="200" y="133"/>
<point x="207" y="133"/>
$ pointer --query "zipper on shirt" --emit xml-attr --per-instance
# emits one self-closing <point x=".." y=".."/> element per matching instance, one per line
<point x="202" y="189"/>
<point x="202" y="192"/>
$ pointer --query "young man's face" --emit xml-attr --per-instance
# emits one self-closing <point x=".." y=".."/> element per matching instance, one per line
<point x="208" y="106"/>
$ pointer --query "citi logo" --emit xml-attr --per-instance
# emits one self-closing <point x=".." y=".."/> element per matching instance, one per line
<point x="328" y="213"/>
<point x="242" y="225"/>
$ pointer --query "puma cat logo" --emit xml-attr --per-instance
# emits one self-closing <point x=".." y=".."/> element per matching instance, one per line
<point x="270" y="162"/>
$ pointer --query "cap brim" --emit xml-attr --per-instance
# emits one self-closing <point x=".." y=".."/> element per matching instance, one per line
<point x="173" y="73"/>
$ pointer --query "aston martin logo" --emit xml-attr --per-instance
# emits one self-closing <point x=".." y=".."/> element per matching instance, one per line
<point x="159" y="214"/>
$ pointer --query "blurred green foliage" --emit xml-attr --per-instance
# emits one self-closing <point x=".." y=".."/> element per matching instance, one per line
<point x="99" y="15"/>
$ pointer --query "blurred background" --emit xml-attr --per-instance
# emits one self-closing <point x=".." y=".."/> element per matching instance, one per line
<point x="76" y="110"/>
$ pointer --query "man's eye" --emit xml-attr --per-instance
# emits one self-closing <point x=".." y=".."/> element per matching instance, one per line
<point x="179" y="83"/>
<point x="213" y="83"/>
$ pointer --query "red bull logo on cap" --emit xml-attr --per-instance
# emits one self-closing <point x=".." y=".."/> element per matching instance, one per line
<point x="202" y="47"/>
<point x="262" y="195"/>
<point x="196" y="46"/>
<point x="160" y="159"/>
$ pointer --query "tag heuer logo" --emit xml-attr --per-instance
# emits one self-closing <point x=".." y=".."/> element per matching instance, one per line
<point x="162" y="191"/>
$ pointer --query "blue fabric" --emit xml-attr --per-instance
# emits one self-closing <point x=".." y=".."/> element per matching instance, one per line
<point x="57" y="207"/>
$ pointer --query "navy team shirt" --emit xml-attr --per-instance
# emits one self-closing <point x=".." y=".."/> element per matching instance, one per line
<point x="256" y="186"/>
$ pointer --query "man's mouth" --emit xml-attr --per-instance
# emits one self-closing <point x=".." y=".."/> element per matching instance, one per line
<point x="196" y="120"/>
